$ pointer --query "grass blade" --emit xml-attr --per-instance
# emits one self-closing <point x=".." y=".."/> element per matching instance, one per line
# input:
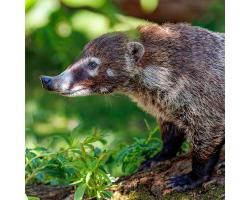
<point x="105" y="176"/>
<point x="74" y="134"/>
<point x="80" y="191"/>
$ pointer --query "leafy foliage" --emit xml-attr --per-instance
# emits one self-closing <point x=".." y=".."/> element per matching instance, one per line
<point x="71" y="165"/>
<point x="131" y="156"/>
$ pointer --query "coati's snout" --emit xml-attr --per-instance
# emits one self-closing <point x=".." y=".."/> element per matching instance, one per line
<point x="106" y="65"/>
<point x="67" y="84"/>
<point x="46" y="82"/>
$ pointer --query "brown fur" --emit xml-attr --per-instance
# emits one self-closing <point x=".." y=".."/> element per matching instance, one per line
<point x="174" y="72"/>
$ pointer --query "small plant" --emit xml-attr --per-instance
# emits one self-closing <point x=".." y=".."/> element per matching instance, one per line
<point x="133" y="155"/>
<point x="71" y="166"/>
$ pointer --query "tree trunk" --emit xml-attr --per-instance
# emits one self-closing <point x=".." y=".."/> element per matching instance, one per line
<point x="167" y="10"/>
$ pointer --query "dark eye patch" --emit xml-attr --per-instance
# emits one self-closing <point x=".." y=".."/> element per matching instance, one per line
<point x="92" y="65"/>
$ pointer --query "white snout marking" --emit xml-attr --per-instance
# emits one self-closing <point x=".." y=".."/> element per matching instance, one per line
<point x="78" y="87"/>
<point x="67" y="80"/>
<point x="110" y="72"/>
<point x="82" y="92"/>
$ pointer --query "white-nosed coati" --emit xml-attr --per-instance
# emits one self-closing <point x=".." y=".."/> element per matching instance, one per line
<point x="173" y="71"/>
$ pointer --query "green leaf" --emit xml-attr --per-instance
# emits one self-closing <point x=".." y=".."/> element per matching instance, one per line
<point x="102" y="168"/>
<point x="54" y="172"/>
<point x="133" y="169"/>
<point x="33" y="198"/>
<point x="107" y="194"/>
<point x="84" y="155"/>
<point x="98" y="152"/>
<point x="90" y="146"/>
<point x="60" y="159"/>
<point x="124" y="153"/>
<point x="74" y="134"/>
<point x="89" y="164"/>
<point x="39" y="149"/>
<point x="88" y="177"/>
<point x="76" y="163"/>
<point x="80" y="191"/>
<point x="79" y="181"/>
<point x="57" y="182"/>
<point x="76" y="151"/>
<point x="98" y="194"/>
<point x="26" y="198"/>
<point x="94" y="164"/>
<point x="139" y="140"/>
<point x="122" y="146"/>
<point x="103" y="141"/>
<point x="52" y="138"/>
<point x="104" y="176"/>
<point x="27" y="151"/>
<point x="136" y="139"/>
<point x="125" y="165"/>
<point x="40" y="177"/>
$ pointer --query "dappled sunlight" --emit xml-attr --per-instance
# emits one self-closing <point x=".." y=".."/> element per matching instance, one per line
<point x="91" y="24"/>
<point x="78" y="3"/>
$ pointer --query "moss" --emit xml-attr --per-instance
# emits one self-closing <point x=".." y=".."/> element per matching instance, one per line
<point x="140" y="196"/>
<point x="140" y="193"/>
<point x="214" y="191"/>
<point x="159" y="169"/>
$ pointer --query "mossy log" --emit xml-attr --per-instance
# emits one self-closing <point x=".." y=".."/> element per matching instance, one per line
<point x="148" y="184"/>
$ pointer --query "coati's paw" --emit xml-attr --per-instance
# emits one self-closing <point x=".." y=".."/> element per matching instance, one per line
<point x="182" y="182"/>
<point x="148" y="164"/>
<point x="221" y="167"/>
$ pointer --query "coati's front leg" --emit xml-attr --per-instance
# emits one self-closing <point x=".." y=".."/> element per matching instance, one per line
<point x="201" y="171"/>
<point x="172" y="140"/>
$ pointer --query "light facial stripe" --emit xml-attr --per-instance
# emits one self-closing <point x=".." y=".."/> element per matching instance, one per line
<point x="94" y="59"/>
<point x="93" y="72"/>
<point x="85" y="62"/>
<point x="110" y="72"/>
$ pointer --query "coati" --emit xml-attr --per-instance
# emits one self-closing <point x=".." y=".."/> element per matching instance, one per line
<point x="174" y="72"/>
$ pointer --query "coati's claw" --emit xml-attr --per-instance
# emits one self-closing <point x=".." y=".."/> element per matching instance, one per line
<point x="167" y="182"/>
<point x="148" y="164"/>
<point x="221" y="168"/>
<point x="182" y="183"/>
<point x="169" y="186"/>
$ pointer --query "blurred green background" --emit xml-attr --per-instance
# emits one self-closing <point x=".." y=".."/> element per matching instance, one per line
<point x="55" y="33"/>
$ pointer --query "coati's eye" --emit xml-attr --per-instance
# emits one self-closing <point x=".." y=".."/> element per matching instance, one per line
<point x="92" y="65"/>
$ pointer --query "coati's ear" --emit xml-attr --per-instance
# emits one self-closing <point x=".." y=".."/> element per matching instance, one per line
<point x="135" y="51"/>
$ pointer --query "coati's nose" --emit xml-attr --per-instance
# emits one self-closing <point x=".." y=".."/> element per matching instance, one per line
<point x="46" y="82"/>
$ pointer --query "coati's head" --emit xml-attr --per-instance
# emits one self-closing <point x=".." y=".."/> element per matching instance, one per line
<point x="104" y="66"/>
